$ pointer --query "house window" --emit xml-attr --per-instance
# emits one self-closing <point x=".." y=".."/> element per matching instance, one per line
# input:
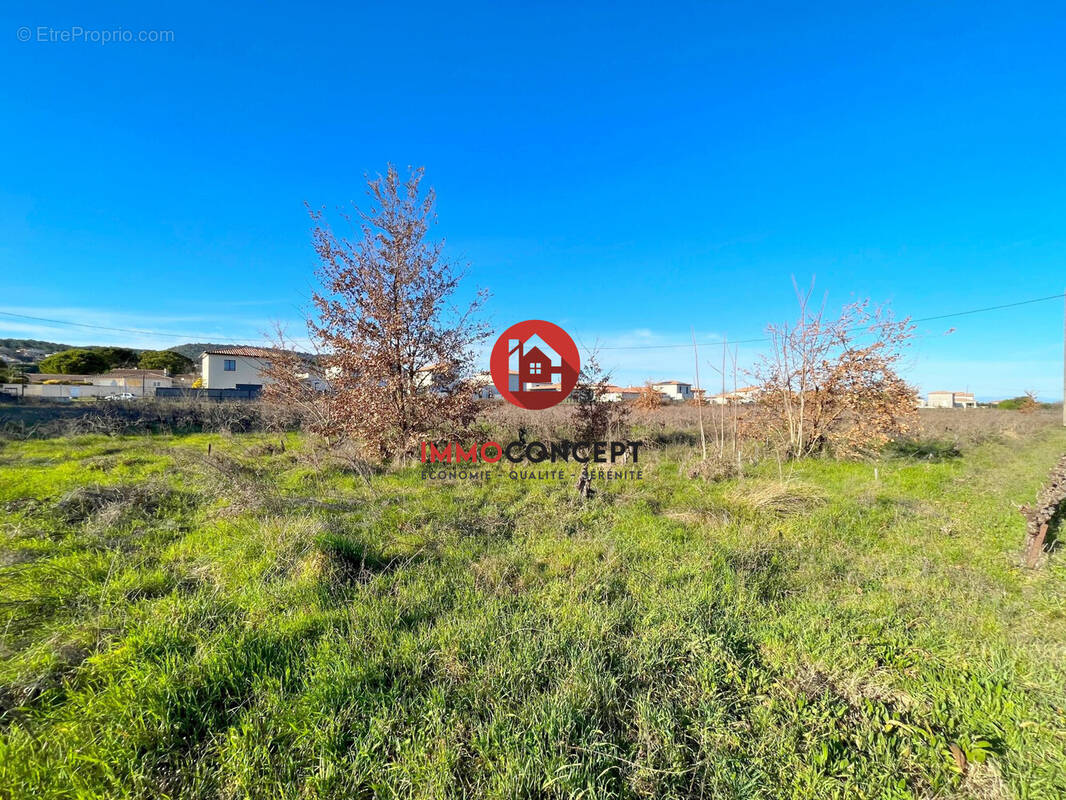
<point x="534" y="368"/>
<point x="229" y="365"/>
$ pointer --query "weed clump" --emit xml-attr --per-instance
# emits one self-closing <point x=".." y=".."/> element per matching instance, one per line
<point x="712" y="469"/>
<point x="923" y="449"/>
<point x="116" y="502"/>
<point x="782" y="498"/>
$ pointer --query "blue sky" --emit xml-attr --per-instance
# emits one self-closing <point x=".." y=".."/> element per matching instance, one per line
<point x="628" y="171"/>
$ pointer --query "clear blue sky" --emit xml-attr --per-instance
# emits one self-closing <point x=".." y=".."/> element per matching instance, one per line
<point x="625" y="170"/>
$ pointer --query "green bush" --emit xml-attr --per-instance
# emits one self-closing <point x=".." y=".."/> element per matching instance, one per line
<point x="175" y="363"/>
<point x="118" y="357"/>
<point x="76" y="361"/>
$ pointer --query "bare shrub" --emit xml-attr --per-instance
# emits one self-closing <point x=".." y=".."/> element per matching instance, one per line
<point x="832" y="385"/>
<point x="649" y="399"/>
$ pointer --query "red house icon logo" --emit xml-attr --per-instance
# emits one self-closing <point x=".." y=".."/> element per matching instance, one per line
<point x="535" y="364"/>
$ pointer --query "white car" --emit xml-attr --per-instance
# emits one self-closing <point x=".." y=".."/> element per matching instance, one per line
<point x="122" y="396"/>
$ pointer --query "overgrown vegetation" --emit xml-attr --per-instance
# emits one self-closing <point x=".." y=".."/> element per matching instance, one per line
<point x="27" y="419"/>
<point x="832" y="385"/>
<point x="1026" y="403"/>
<point x="251" y="615"/>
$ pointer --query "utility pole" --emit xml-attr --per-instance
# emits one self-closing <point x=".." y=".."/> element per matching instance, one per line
<point x="1064" y="359"/>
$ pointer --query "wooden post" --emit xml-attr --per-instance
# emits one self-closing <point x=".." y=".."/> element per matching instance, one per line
<point x="699" y="396"/>
<point x="1036" y="546"/>
<point x="1064" y="359"/>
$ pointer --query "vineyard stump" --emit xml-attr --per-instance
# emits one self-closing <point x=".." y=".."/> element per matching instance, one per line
<point x="1038" y="517"/>
<point x="1035" y="546"/>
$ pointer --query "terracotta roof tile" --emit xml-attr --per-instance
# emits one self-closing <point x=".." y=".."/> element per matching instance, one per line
<point x="251" y="352"/>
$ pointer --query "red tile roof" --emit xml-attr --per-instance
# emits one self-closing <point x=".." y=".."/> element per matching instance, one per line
<point x="251" y="352"/>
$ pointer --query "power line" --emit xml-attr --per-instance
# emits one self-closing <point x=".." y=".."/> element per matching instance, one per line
<point x="186" y="336"/>
<point x="200" y="337"/>
<point x="991" y="308"/>
<point x="766" y="339"/>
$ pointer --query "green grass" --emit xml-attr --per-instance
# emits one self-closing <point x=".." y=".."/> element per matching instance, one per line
<point x="250" y="625"/>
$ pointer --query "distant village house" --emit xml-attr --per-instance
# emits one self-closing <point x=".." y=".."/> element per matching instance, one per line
<point x="951" y="400"/>
<point x="674" y="390"/>
<point x="745" y="394"/>
<point x="58" y="386"/>
<point x="616" y="394"/>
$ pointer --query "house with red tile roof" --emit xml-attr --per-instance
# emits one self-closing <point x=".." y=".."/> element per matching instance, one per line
<point x="245" y="367"/>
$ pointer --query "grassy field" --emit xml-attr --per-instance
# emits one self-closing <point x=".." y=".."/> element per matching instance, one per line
<point x="262" y="621"/>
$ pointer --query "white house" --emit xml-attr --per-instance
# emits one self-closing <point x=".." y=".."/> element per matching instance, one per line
<point x="230" y="367"/>
<point x="951" y="400"/>
<point x="674" y="390"/>
<point x="241" y="367"/>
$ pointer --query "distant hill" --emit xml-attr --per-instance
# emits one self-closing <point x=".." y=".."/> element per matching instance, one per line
<point x="193" y="349"/>
<point x="30" y="351"/>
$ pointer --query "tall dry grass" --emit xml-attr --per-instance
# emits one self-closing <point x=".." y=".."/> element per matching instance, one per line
<point x="976" y="425"/>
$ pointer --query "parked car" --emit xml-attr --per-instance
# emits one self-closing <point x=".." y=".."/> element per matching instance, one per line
<point x="122" y="396"/>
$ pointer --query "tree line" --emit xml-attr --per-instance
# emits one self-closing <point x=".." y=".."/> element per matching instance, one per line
<point x="96" y="360"/>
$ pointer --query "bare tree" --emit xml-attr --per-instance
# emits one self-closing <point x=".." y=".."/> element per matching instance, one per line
<point x="832" y="384"/>
<point x="396" y="354"/>
<point x="596" y="419"/>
